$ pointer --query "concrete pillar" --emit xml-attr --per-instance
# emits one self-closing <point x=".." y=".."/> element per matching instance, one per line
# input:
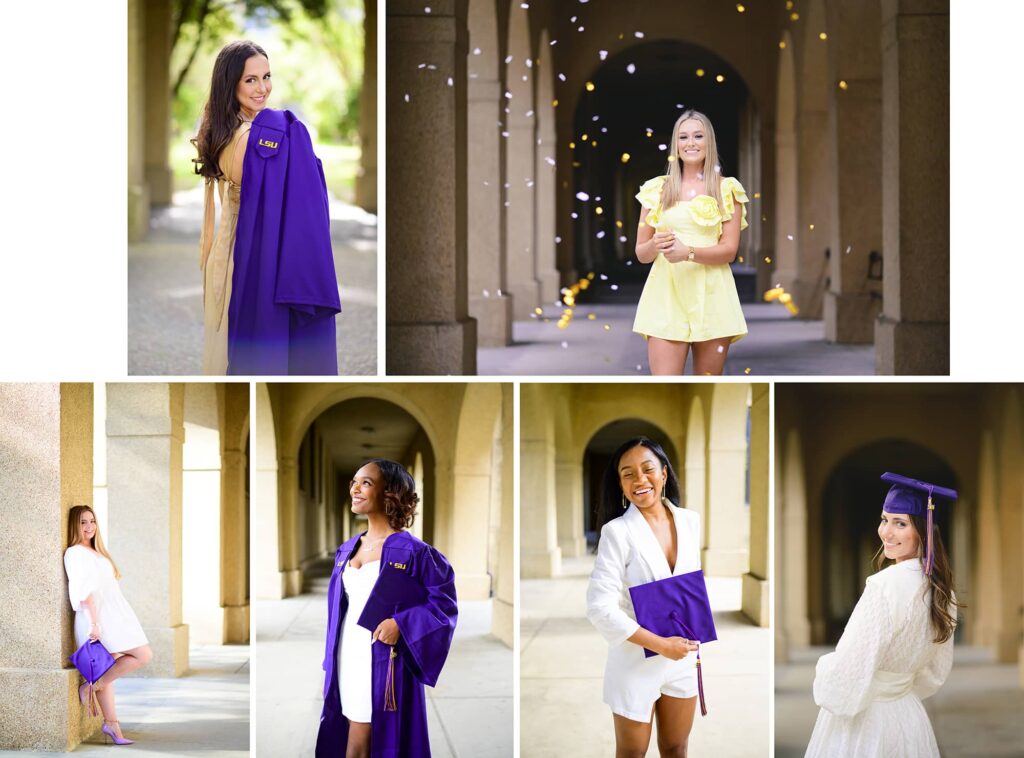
<point x="288" y="496"/>
<point x="503" y="613"/>
<point x="267" y="579"/>
<point x="544" y="173"/>
<point x="234" y="513"/>
<point x="429" y="330"/>
<point x="46" y="468"/>
<point x="540" y="556"/>
<point x="853" y="301"/>
<point x="814" y="209"/>
<point x="469" y="538"/>
<point x="366" y="179"/>
<point x="569" y="507"/>
<point x="787" y="268"/>
<point x="755" y="582"/>
<point x="157" y="73"/>
<point x="138" y="190"/>
<point x="145" y="434"/>
<point x="791" y="547"/>
<point x="694" y="489"/>
<point x="726" y="554"/>
<point x="912" y="334"/>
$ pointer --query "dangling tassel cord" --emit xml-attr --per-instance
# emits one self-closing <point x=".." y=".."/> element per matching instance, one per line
<point x="93" y="704"/>
<point x="700" y="685"/>
<point x="929" y="558"/>
<point x="389" y="688"/>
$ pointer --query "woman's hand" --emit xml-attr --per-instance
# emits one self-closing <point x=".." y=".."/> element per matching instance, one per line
<point x="674" y="250"/>
<point x="676" y="648"/>
<point x="387" y="632"/>
<point x="94" y="631"/>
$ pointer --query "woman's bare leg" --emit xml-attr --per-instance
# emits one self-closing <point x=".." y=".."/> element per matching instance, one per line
<point x="675" y="720"/>
<point x="358" y="740"/>
<point x="107" y="706"/>
<point x="631" y="737"/>
<point x="709" y="357"/>
<point x="127" y="662"/>
<point x="667" y="357"/>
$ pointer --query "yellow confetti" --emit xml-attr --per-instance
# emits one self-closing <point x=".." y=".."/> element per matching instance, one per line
<point x="782" y="44"/>
<point x="671" y="158"/>
<point x="746" y="371"/>
<point x="572" y="145"/>
<point x="583" y="138"/>
<point x="700" y="72"/>
<point x="650" y="133"/>
<point x="811" y="227"/>
<point x="794" y="16"/>
<point x="591" y="275"/>
<point x="823" y="36"/>
<point x="740" y="259"/>
<point x="591" y="316"/>
<point x="789" y="5"/>
<point x="576" y="164"/>
<point x="599" y="210"/>
<point x="767" y="259"/>
<point x="538" y="311"/>
<point x="625" y="158"/>
<point x="607" y="328"/>
<point x="618" y="224"/>
<point x="554" y="103"/>
<point x="740" y="7"/>
<point x="843" y="84"/>
<point x="593" y="143"/>
<point x="757" y="195"/>
<point x="590" y="86"/>
<point x="719" y="78"/>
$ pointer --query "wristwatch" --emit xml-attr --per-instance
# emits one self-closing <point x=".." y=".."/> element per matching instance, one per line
<point x="691" y="254"/>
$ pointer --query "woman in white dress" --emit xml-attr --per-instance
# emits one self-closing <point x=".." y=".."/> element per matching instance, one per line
<point x="101" y="612"/>
<point x="897" y="647"/>
<point x="646" y="537"/>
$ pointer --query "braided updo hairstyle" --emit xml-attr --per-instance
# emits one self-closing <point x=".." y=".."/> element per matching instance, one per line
<point x="400" y="498"/>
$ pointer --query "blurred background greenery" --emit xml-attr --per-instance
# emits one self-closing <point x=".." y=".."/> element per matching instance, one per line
<point x="316" y="60"/>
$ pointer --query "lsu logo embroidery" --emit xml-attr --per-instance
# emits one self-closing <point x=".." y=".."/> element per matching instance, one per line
<point x="267" y="143"/>
<point x="399" y="566"/>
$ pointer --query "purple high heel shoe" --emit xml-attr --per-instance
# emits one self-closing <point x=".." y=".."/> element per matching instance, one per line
<point x="110" y="733"/>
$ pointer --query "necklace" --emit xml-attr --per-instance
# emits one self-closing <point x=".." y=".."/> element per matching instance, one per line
<point x="371" y="546"/>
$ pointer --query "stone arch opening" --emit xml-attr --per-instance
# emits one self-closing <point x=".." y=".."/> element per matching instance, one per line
<point x="847" y="539"/>
<point x="604" y="131"/>
<point x="597" y="455"/>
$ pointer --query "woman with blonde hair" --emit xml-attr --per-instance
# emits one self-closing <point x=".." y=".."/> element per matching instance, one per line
<point x="690" y="230"/>
<point x="101" y="613"/>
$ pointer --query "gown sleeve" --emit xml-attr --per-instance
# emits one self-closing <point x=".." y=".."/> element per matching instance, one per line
<point x="82" y="576"/>
<point x="427" y="629"/>
<point x="932" y="676"/>
<point x="842" y="681"/>
<point x="650" y="198"/>
<point x="732" y="193"/>
<point x="605" y="589"/>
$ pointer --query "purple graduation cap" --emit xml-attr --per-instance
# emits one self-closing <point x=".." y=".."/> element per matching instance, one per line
<point x="915" y="497"/>
<point x="677" y="607"/>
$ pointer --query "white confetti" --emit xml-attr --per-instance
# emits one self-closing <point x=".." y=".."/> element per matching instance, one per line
<point x="663" y="147"/>
<point x="508" y="59"/>
<point x="638" y="35"/>
<point x="639" y="367"/>
<point x="604" y="277"/>
<point x="629" y="263"/>
<point x="505" y="135"/>
<point x="721" y="349"/>
<point x="582" y="196"/>
<point x="574" y="214"/>
<point x="622" y="239"/>
<point x="529" y="62"/>
<point x="580" y="29"/>
<point x="451" y="82"/>
<point x="562" y="77"/>
<point x="427" y="9"/>
<point x="789" y="237"/>
<point x="553" y="42"/>
<point x="600" y="235"/>
<point x="508" y="95"/>
<point x="476" y="51"/>
<point x="529" y="114"/>
<point x="487" y="293"/>
<point x="524" y="6"/>
<point x="631" y="69"/>
<point x="529" y="183"/>
<point x="603" y="54"/>
<point x="564" y="344"/>
<point x="550" y="161"/>
<point x="848" y="249"/>
<point x="614" y="287"/>
<point x="406" y="97"/>
<point x="558" y="240"/>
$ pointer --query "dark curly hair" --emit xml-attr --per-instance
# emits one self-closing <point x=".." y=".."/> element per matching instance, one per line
<point x="400" y="498"/>
<point x="610" y="504"/>
<point x="220" y="114"/>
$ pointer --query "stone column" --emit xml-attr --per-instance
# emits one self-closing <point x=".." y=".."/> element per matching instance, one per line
<point x="503" y="614"/>
<point x="853" y="301"/>
<point x="45" y="468"/>
<point x="544" y="173"/>
<point x="287" y="495"/>
<point x="469" y="538"/>
<point x="755" y="582"/>
<point x="540" y="556"/>
<point x="814" y="209"/>
<point x="912" y="334"/>
<point x="520" y="215"/>
<point x="489" y="301"/>
<point x="138" y="191"/>
<point x="791" y="545"/>
<point x="569" y="507"/>
<point x="234" y="513"/>
<point x="429" y="330"/>
<point x="145" y="434"/>
<point x="725" y="554"/>
<point x="267" y="579"/>
<point x="366" y="179"/>
<point x="157" y="73"/>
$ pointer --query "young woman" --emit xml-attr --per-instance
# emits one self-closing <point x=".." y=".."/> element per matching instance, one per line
<point x="897" y="647"/>
<point x="390" y="619"/>
<point x="690" y="230"/>
<point x="646" y="537"/>
<point x="270" y="292"/>
<point x="101" y="612"/>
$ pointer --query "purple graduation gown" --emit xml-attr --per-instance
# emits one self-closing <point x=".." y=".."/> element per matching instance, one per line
<point x="284" y="292"/>
<point x="416" y="587"/>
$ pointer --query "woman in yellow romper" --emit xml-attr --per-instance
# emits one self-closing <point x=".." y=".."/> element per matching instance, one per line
<point x="690" y="230"/>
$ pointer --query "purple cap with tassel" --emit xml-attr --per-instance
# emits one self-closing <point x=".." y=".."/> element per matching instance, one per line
<point x="916" y="498"/>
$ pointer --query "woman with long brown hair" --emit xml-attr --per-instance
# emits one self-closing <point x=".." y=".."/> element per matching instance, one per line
<point x="690" y="230"/>
<point x="101" y="612"/>
<point x="897" y="647"/>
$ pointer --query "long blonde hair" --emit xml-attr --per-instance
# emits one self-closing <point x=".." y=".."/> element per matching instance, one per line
<point x="75" y="534"/>
<point x="672" y="191"/>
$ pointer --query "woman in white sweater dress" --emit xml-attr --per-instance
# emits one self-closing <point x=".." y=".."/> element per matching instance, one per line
<point x="897" y="648"/>
<point x="647" y="537"/>
<point x="101" y="611"/>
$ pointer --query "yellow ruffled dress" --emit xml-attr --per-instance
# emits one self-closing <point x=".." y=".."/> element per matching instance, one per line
<point x="687" y="301"/>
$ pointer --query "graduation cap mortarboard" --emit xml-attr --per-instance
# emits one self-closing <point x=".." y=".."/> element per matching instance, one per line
<point x="914" y="497"/>
<point x="678" y="604"/>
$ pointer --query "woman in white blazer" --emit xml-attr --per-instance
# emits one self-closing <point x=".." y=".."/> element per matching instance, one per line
<point x="646" y="536"/>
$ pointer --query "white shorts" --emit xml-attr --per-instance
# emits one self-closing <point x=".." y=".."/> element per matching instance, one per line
<point x="633" y="683"/>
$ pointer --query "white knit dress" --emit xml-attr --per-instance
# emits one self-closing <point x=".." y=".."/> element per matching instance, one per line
<point x="89" y="573"/>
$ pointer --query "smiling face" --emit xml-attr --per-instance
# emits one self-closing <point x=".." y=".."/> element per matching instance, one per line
<point x="642" y="477"/>
<point x="254" y="87"/>
<point x="900" y="539"/>
<point x="691" y="142"/>
<point x="366" y="489"/>
<point x="87" y="526"/>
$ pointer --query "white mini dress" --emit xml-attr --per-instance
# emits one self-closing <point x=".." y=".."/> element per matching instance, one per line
<point x="354" y="653"/>
<point x="89" y="573"/>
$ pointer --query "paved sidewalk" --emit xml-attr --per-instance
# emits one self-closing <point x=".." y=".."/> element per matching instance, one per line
<point x="469" y="713"/>
<point x="205" y="712"/>
<point x="165" y="290"/>
<point x="777" y="345"/>
<point x="562" y="672"/>
<point x="977" y="712"/>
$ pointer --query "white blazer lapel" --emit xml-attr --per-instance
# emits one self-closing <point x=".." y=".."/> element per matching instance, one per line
<point x="647" y="544"/>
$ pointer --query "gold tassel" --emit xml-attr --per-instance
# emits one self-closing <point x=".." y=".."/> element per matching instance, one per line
<point x="389" y="688"/>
